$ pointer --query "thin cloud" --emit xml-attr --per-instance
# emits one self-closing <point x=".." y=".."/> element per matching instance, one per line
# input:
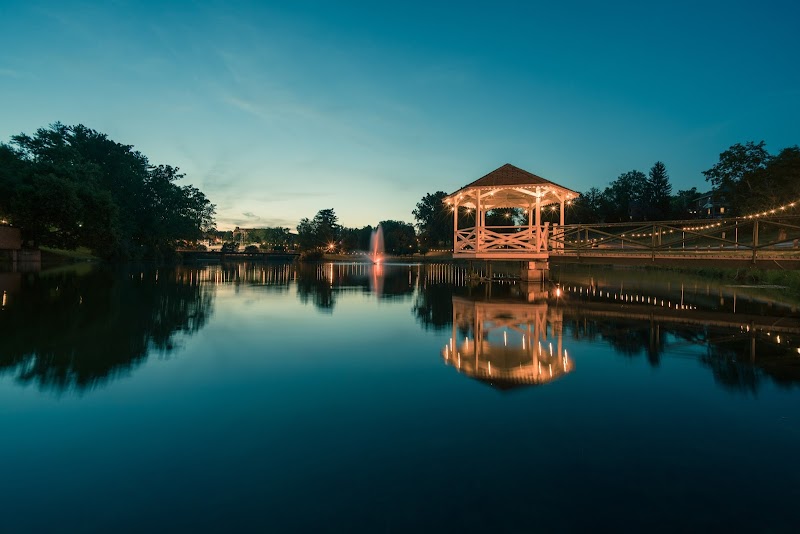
<point x="248" y="107"/>
<point x="258" y="222"/>
<point x="10" y="73"/>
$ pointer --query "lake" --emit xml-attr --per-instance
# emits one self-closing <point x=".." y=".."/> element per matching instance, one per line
<point x="395" y="398"/>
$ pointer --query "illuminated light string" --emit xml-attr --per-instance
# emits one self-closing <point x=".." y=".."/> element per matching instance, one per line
<point x="625" y="297"/>
<point x="642" y="299"/>
<point x="770" y="212"/>
<point x="706" y="227"/>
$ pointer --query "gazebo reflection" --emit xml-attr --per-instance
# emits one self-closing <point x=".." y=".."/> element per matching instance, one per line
<point x="507" y="343"/>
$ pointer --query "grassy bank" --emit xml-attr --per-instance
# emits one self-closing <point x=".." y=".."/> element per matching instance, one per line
<point x="56" y="255"/>
<point x="790" y="279"/>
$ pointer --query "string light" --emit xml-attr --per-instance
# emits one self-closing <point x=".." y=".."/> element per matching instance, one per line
<point x="706" y="227"/>
<point x="771" y="211"/>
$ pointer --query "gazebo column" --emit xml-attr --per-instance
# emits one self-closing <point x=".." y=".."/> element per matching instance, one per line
<point x="479" y="224"/>
<point x="455" y="225"/>
<point x="561" y="226"/>
<point x="538" y="221"/>
<point x="530" y="220"/>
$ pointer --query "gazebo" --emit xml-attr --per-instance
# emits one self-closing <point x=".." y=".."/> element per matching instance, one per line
<point x="509" y="187"/>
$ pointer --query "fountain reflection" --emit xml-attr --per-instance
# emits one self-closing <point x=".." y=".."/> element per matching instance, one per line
<point x="508" y="343"/>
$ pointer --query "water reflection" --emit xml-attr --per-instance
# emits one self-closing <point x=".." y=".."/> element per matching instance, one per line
<point x="78" y="329"/>
<point x="317" y="284"/>
<point x="743" y="335"/>
<point x="507" y="343"/>
<point x="760" y="342"/>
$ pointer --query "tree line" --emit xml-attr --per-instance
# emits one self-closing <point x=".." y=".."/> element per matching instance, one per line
<point x="745" y="179"/>
<point x="324" y="233"/>
<point x="71" y="186"/>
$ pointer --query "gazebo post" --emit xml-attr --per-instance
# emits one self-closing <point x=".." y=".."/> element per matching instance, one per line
<point x="479" y="224"/>
<point x="455" y="225"/>
<point x="538" y="218"/>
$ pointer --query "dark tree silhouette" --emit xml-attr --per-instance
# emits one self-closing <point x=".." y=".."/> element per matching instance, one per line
<point x="69" y="186"/>
<point x="434" y="221"/>
<point x="658" y="193"/>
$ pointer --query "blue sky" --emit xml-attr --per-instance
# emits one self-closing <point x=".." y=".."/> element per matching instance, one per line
<point x="277" y="110"/>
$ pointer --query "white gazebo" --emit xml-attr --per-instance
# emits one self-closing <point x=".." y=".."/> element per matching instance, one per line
<point x="509" y="187"/>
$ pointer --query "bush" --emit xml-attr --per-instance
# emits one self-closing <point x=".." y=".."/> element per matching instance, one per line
<point x="311" y="255"/>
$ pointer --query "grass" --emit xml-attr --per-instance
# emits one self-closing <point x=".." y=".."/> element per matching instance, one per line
<point x="755" y="277"/>
<point x="60" y="255"/>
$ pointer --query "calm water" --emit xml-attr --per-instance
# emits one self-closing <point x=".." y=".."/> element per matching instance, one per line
<point x="350" y="398"/>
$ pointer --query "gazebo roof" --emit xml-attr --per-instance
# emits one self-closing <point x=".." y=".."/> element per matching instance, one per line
<point x="511" y="186"/>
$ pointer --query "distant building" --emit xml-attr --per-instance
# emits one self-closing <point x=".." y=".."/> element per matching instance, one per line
<point x="711" y="205"/>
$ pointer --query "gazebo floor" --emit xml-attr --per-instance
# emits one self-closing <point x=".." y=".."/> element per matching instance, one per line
<point x="513" y="255"/>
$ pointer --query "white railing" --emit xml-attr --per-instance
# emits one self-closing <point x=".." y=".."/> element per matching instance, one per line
<point x="509" y="239"/>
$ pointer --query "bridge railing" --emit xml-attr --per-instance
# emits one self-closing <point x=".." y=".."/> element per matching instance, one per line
<point x="755" y="236"/>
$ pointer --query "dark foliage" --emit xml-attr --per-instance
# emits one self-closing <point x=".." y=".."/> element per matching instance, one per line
<point x="71" y="186"/>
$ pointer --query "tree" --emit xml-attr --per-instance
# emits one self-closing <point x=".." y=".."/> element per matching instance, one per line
<point x="625" y="197"/>
<point x="306" y="238"/>
<point x="327" y="228"/>
<point x="69" y="186"/>
<point x="49" y="210"/>
<point x="772" y="185"/>
<point x="434" y="220"/>
<point x="353" y="239"/>
<point x="657" y="193"/>
<point x="730" y="176"/>
<point x="13" y="170"/>
<point x="680" y="204"/>
<point x="589" y="207"/>
<point x="398" y="237"/>
<point x="502" y="217"/>
<point x="319" y="232"/>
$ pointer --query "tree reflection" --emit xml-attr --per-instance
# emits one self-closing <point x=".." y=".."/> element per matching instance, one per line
<point x="320" y="284"/>
<point x="433" y="306"/>
<point x="740" y="350"/>
<point x="313" y="286"/>
<point x="66" y="331"/>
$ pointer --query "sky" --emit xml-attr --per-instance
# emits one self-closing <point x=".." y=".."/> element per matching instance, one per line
<point x="276" y="110"/>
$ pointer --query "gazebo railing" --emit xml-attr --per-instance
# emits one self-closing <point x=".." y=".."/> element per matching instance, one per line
<point x="508" y="239"/>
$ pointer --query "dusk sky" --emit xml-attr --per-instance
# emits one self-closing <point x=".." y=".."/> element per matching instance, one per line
<point x="276" y="110"/>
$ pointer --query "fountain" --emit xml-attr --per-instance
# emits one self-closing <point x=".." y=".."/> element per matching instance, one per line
<point x="376" y="245"/>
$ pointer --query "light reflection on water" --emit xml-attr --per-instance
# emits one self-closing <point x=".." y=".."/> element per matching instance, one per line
<point x="349" y="396"/>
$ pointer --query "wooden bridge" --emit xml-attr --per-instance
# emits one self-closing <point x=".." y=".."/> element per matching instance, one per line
<point x="767" y="242"/>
